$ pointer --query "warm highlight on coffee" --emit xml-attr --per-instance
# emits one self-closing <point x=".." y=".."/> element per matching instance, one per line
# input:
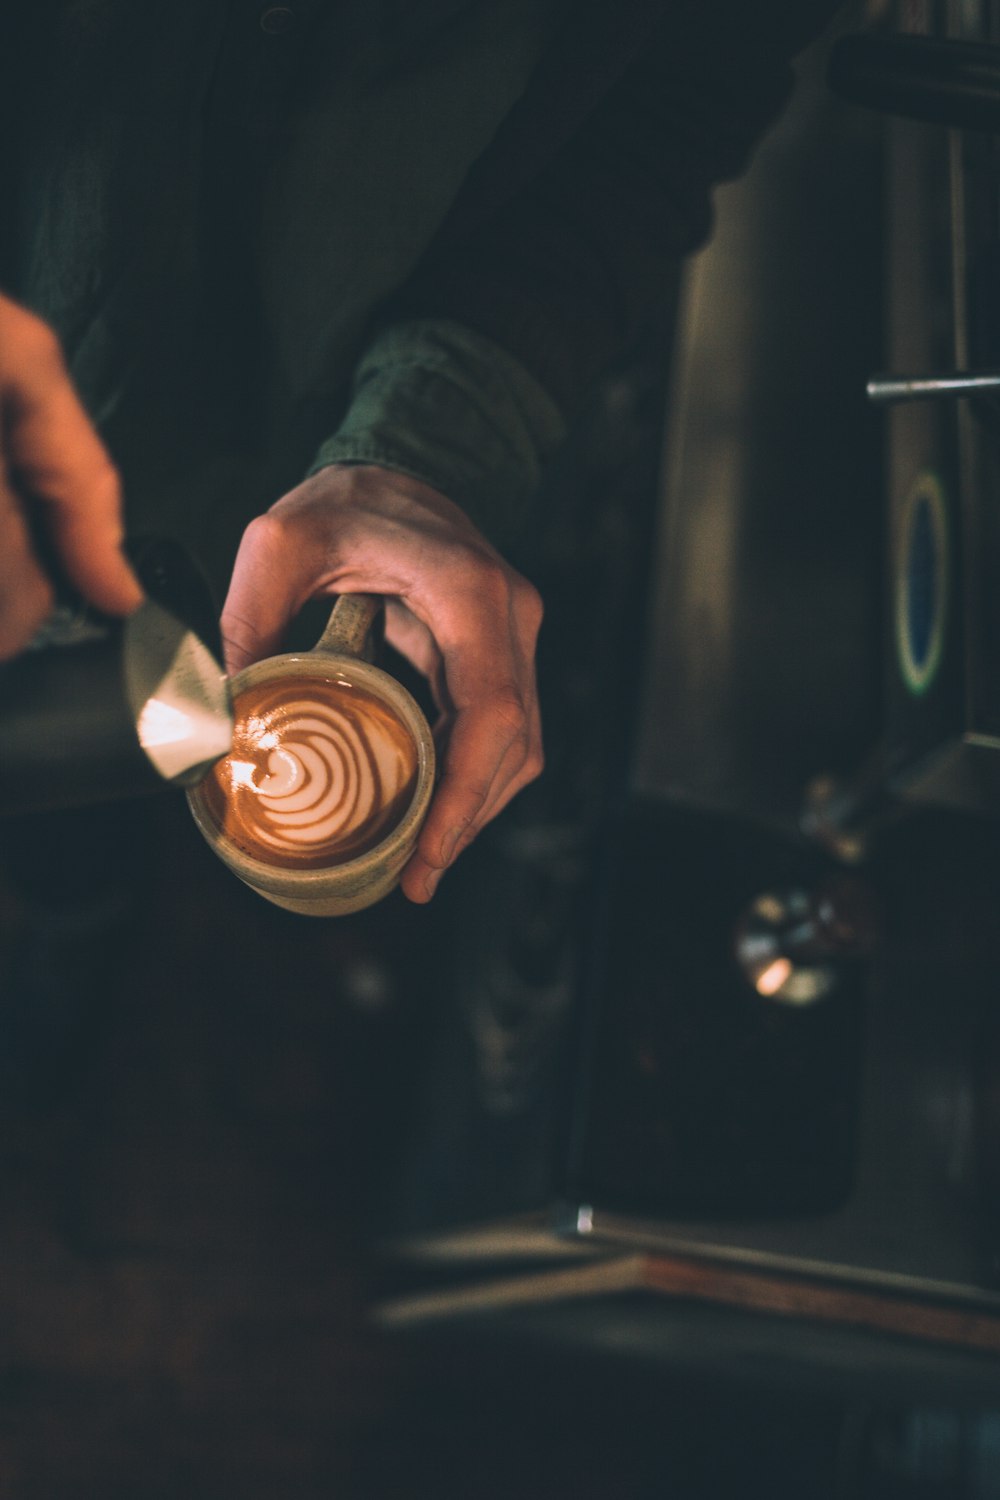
<point x="319" y="773"/>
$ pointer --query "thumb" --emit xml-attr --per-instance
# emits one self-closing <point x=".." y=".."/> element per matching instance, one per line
<point x="267" y="589"/>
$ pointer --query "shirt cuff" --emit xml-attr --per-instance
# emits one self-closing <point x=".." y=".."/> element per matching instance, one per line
<point x="434" y="400"/>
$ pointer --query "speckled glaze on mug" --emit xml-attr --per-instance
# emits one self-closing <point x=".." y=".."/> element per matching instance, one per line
<point x="320" y="803"/>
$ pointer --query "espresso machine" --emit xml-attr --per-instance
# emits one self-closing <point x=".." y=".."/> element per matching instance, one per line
<point x="938" y="82"/>
<point x="771" y="1080"/>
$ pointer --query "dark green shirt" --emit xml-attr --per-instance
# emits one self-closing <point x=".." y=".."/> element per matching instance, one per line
<point x="209" y="212"/>
<point x="395" y="231"/>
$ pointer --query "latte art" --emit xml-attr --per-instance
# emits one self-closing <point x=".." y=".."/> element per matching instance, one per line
<point x="320" y="771"/>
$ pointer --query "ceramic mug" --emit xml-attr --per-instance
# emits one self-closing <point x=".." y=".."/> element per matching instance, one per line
<point x="320" y="802"/>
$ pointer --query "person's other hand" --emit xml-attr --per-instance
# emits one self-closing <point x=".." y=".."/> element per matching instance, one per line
<point x="52" y="460"/>
<point x="454" y="608"/>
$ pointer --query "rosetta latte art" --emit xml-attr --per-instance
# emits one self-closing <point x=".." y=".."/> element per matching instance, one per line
<point x="320" y="771"/>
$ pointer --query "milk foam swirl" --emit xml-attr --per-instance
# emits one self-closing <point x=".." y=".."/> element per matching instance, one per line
<point x="319" y="772"/>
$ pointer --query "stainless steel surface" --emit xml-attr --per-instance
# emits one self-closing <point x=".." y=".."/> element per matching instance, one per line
<point x="912" y="1221"/>
<point x="851" y="1137"/>
<point x="885" y="388"/>
<point x="760" y="671"/>
<point x="177" y="693"/>
<point x="751" y="662"/>
<point x="942" y="702"/>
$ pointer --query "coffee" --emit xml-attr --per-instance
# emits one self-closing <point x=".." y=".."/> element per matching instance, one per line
<point x="321" y="770"/>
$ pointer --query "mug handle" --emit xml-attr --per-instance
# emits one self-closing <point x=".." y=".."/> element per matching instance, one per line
<point x="351" y="618"/>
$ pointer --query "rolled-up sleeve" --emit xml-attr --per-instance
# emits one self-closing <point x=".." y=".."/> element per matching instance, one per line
<point x="490" y="346"/>
<point x="436" y="400"/>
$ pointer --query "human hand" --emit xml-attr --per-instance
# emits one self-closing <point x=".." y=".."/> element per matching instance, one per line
<point x="459" y="613"/>
<point x="51" y="458"/>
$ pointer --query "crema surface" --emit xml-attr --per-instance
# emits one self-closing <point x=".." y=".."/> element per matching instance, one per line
<point x="320" y="772"/>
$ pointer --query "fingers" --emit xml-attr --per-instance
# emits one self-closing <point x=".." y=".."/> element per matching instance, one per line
<point x="495" y="745"/>
<point x="283" y="560"/>
<point x="455" y="610"/>
<point x="271" y="580"/>
<point x="491" y="755"/>
<point x="25" y="593"/>
<point x="53" y="457"/>
<point x="322" y="537"/>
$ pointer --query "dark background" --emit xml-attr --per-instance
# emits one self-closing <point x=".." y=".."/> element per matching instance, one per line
<point x="213" y="1112"/>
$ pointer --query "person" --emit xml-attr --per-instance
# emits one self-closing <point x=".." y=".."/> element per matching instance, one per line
<point x="363" y="258"/>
